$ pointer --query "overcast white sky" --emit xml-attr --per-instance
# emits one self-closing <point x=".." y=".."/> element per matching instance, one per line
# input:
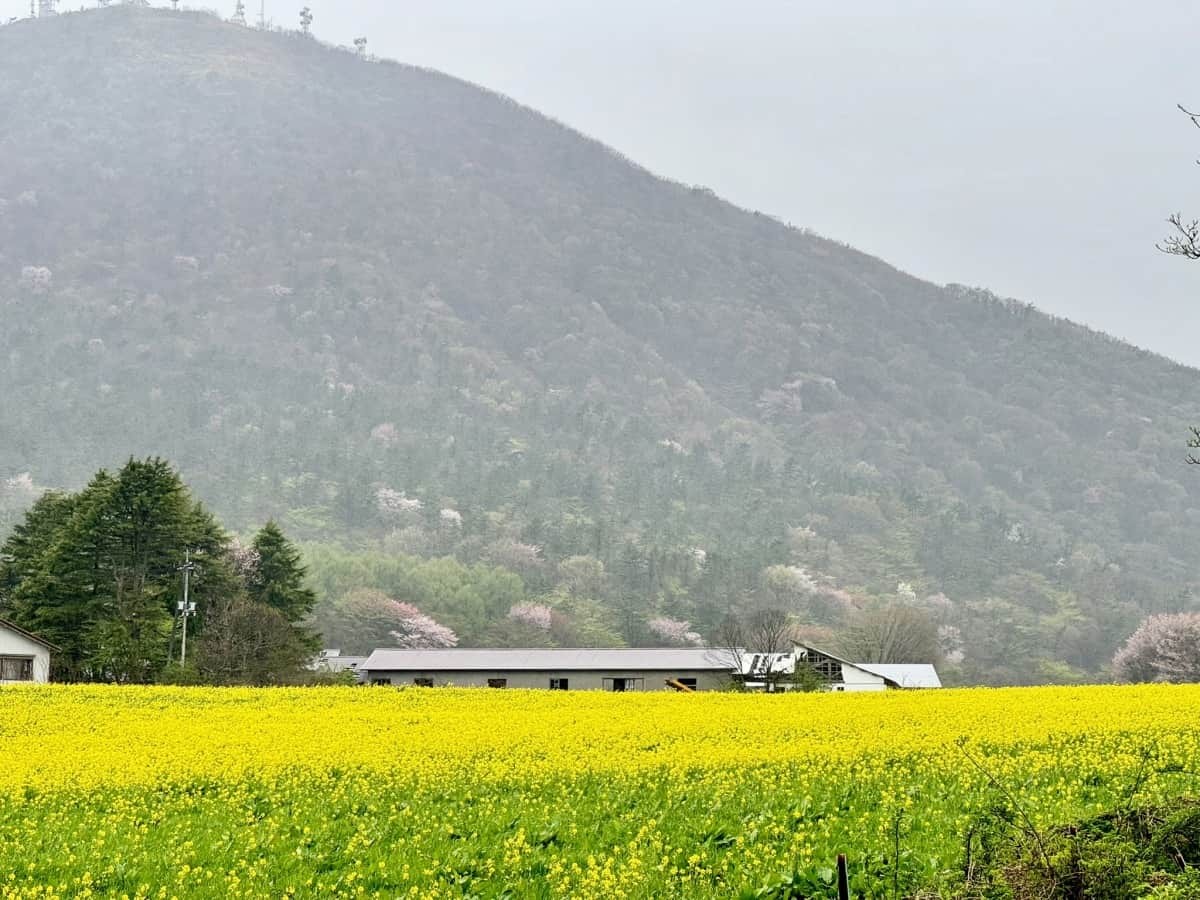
<point x="1028" y="146"/>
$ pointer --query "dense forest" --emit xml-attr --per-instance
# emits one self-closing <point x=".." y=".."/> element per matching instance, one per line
<point x="476" y="361"/>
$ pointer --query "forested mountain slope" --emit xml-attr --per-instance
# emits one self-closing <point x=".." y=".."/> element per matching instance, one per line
<point x="329" y="287"/>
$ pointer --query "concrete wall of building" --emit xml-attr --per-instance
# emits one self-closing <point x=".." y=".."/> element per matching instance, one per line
<point x="576" y="681"/>
<point x="15" y="644"/>
<point x="855" y="679"/>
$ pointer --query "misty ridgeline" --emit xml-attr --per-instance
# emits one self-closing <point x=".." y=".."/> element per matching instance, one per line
<point x="478" y="363"/>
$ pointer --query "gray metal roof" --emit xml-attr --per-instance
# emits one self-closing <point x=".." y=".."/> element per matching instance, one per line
<point x="906" y="675"/>
<point x="339" y="663"/>
<point x="549" y="660"/>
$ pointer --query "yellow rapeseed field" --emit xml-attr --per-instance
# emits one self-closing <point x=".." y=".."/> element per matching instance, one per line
<point x="347" y="792"/>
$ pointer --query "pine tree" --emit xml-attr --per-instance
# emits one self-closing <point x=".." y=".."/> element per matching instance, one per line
<point x="96" y="572"/>
<point x="278" y="581"/>
<point x="31" y="594"/>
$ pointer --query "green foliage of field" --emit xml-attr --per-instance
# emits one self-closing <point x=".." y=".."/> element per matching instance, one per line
<point x="348" y="792"/>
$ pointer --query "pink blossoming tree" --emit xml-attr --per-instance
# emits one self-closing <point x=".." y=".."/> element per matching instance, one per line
<point x="534" y="614"/>
<point x="675" y="631"/>
<point x="1164" y="648"/>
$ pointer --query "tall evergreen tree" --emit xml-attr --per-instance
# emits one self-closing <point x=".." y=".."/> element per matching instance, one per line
<point x="32" y="594"/>
<point x="278" y="581"/>
<point x="96" y="572"/>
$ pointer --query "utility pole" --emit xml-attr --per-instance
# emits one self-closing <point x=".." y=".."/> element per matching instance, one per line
<point x="186" y="608"/>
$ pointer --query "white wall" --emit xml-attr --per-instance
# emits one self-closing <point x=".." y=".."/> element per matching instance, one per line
<point x="13" y="643"/>
<point x="576" y="681"/>
<point x="855" y="679"/>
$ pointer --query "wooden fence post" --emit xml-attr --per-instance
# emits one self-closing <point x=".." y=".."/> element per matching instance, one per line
<point x="843" y="878"/>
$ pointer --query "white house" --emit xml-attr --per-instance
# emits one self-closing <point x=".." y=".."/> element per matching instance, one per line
<point x="558" y="669"/>
<point x="758" y="670"/>
<point x="23" y="656"/>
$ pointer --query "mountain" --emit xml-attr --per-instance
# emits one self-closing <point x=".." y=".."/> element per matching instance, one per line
<point x="330" y="287"/>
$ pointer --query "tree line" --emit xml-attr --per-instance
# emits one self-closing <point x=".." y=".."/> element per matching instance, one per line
<point x="97" y="573"/>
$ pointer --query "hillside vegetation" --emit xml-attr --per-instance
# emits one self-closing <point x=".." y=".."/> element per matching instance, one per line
<point x="401" y="313"/>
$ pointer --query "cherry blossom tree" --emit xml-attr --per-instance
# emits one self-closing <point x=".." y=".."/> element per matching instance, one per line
<point x="789" y="588"/>
<point x="417" y="630"/>
<point x="832" y="604"/>
<point x="245" y="559"/>
<point x="675" y="631"/>
<point x="1163" y="648"/>
<point x="535" y="614"/>
<point x="394" y="505"/>
<point x="367" y="618"/>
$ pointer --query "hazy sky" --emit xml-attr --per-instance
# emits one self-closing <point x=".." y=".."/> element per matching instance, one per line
<point x="1031" y="147"/>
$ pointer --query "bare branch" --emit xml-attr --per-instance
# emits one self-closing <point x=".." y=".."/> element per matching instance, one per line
<point x="1186" y="242"/>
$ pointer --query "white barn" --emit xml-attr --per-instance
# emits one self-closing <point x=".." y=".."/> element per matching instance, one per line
<point x="24" y="657"/>
<point x="559" y="669"/>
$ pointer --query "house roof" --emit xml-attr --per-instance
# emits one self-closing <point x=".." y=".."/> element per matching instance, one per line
<point x="4" y="623"/>
<point x="902" y="675"/>
<point x="339" y="663"/>
<point x="905" y="675"/>
<point x="766" y="663"/>
<point x="549" y="659"/>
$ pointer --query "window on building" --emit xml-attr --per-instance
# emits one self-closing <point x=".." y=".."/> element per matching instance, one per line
<point x="620" y="685"/>
<point x="381" y="681"/>
<point x="687" y="682"/>
<point x="558" y="684"/>
<point x="423" y="682"/>
<point x="498" y="682"/>
<point x="828" y="669"/>
<point x="16" y="668"/>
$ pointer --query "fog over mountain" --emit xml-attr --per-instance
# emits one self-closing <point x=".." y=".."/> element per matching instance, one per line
<point x="408" y="315"/>
<point x="1031" y="148"/>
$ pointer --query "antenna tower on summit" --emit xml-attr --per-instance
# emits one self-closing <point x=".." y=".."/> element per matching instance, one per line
<point x="45" y="8"/>
<point x="262" y="15"/>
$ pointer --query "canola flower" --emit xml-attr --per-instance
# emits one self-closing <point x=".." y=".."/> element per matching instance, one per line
<point x="355" y="792"/>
